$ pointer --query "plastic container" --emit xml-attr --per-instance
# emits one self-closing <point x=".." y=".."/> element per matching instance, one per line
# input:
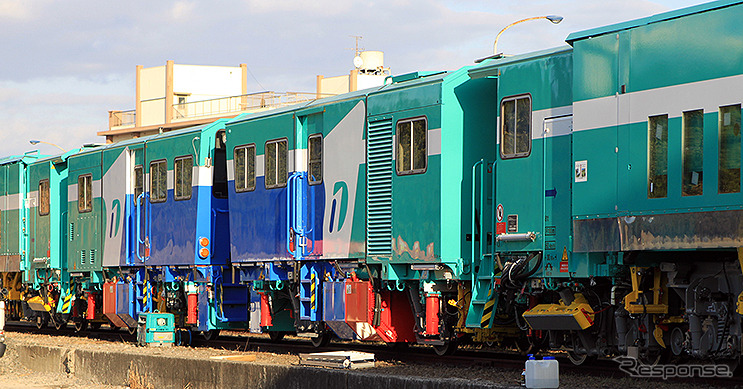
<point x="542" y="374"/>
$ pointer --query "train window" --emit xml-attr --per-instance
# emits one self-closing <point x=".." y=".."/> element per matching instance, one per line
<point x="138" y="181"/>
<point x="657" y="156"/>
<point x="314" y="163"/>
<point x="693" y="156"/>
<point x="276" y="163"/>
<point x="729" y="168"/>
<point x="158" y="181"/>
<point x="85" y="193"/>
<point x="43" y="197"/>
<point x="245" y="168"/>
<point x="515" y="127"/>
<point x="183" y="178"/>
<point x="412" y="153"/>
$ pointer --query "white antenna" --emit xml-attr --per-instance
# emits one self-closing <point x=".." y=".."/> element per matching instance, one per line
<point x="357" y="61"/>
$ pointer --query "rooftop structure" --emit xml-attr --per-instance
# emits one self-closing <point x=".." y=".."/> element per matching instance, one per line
<point x="176" y="96"/>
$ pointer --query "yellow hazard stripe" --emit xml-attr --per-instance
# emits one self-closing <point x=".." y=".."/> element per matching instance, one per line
<point x="312" y="291"/>
<point x="487" y="312"/>
<point x="66" y="304"/>
<point x="145" y="293"/>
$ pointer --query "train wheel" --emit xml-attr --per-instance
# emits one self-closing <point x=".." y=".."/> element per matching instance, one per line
<point x="321" y="340"/>
<point x="448" y="348"/>
<point x="183" y="337"/>
<point x="80" y="324"/>
<point x="59" y="324"/>
<point x="42" y="321"/>
<point x="276" y="336"/>
<point x="210" y="335"/>
<point x="580" y="359"/>
<point x="95" y="325"/>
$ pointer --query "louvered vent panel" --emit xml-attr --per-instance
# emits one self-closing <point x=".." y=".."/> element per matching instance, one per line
<point x="379" y="188"/>
<point x="82" y="257"/>
<point x="91" y="260"/>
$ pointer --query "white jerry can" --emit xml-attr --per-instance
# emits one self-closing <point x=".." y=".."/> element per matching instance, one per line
<point x="542" y="374"/>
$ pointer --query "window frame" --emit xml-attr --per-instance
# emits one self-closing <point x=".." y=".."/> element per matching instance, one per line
<point x="665" y="117"/>
<point x="720" y="153"/>
<point x="139" y="167"/>
<point x="310" y="161"/>
<point x="244" y="148"/>
<point x="153" y="199"/>
<point x="87" y="177"/>
<point x="688" y="155"/>
<point x="182" y="197"/>
<point x="412" y="170"/>
<point x="501" y="130"/>
<point x="41" y="210"/>
<point x="265" y="163"/>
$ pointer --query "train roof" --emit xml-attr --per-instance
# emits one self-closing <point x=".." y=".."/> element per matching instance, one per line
<point x="576" y="36"/>
<point x="487" y="67"/>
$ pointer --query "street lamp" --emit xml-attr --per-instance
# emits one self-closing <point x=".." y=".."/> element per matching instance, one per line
<point x="555" y="19"/>
<point x="35" y="141"/>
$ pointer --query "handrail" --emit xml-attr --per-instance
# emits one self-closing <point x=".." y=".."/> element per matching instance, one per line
<point x="474" y="212"/>
<point x="494" y="209"/>
<point x="139" y="226"/>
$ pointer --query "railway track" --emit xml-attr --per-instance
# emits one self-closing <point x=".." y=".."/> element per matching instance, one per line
<point x="466" y="357"/>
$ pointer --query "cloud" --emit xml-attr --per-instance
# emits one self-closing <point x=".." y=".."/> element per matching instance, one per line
<point x="65" y="64"/>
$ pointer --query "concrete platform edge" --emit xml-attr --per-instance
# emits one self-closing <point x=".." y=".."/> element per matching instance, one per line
<point x="160" y="371"/>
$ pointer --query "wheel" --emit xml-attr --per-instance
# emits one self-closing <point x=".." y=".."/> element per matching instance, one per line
<point x="321" y="340"/>
<point x="448" y="348"/>
<point x="276" y="336"/>
<point x="42" y="321"/>
<point x="580" y="359"/>
<point x="95" y="325"/>
<point x="59" y="324"/>
<point x="80" y="324"/>
<point x="210" y="335"/>
<point x="183" y="337"/>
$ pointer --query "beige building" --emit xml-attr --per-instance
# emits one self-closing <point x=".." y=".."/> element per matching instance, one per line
<point x="369" y="72"/>
<point x="176" y="96"/>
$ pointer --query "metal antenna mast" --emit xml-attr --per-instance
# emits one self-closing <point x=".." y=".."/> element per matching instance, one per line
<point x="358" y="49"/>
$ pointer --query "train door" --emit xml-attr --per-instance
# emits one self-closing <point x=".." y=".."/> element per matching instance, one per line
<point x="556" y="137"/>
<point x="137" y="209"/>
<point x="304" y="189"/>
<point x="85" y="210"/>
<point x="518" y="190"/>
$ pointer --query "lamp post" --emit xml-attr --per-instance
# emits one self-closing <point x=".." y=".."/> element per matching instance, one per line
<point x="555" y="19"/>
<point x="36" y="141"/>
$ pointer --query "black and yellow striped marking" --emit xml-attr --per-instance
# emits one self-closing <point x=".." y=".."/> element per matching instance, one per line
<point x="67" y="302"/>
<point x="487" y="311"/>
<point x="313" y="295"/>
<point x="145" y="295"/>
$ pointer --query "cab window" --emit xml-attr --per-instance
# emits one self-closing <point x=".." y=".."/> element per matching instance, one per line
<point x="515" y="136"/>
<point x="412" y="146"/>
<point x="244" y="160"/>
<point x="158" y="181"/>
<point x="276" y="163"/>
<point x="183" y="178"/>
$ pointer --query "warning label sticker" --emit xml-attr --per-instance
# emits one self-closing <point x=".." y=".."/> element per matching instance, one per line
<point x="564" y="261"/>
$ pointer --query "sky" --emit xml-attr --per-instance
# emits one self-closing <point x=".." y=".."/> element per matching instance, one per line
<point x="65" y="64"/>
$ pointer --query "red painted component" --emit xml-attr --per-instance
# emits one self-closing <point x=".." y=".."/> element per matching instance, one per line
<point x="90" y="314"/>
<point x="396" y="320"/>
<point x="193" y="308"/>
<point x="432" y="314"/>
<point x="109" y="304"/>
<point x="266" y="319"/>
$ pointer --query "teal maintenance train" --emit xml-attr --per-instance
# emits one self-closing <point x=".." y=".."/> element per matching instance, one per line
<point x="585" y="198"/>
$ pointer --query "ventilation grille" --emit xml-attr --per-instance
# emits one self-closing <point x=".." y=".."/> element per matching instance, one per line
<point x="72" y="231"/>
<point x="82" y="257"/>
<point x="91" y="260"/>
<point x="379" y="188"/>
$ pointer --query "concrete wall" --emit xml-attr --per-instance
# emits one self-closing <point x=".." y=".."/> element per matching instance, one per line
<point x="159" y="371"/>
